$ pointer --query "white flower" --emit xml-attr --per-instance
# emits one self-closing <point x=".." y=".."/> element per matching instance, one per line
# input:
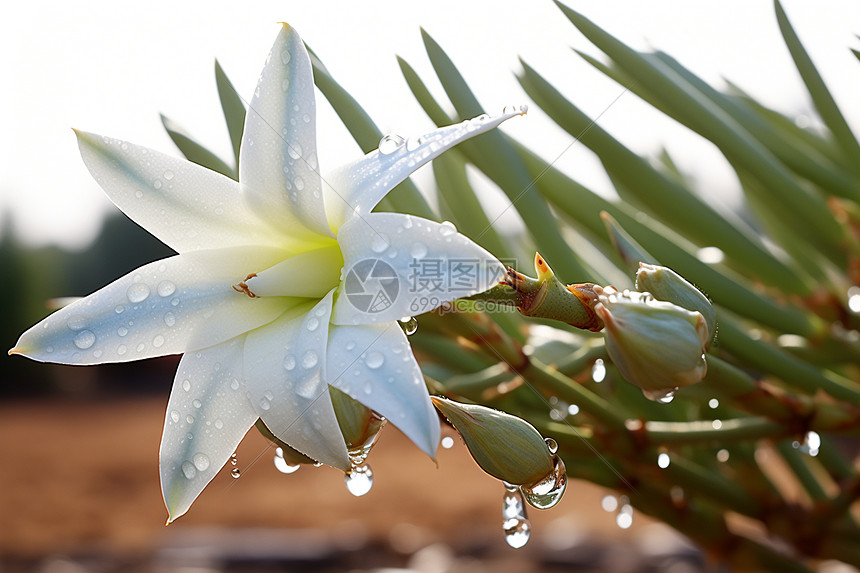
<point x="655" y="344"/>
<point x="267" y="346"/>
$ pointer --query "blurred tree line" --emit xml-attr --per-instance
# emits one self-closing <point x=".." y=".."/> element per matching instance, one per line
<point x="35" y="276"/>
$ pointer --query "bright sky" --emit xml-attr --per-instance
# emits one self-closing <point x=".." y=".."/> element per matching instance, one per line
<point x="111" y="67"/>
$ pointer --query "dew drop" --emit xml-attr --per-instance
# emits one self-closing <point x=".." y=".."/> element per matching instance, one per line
<point x="169" y="318"/>
<point x="289" y="362"/>
<point x="165" y="288"/>
<point x="310" y="359"/>
<point x="414" y="143"/>
<point x="189" y="419"/>
<point x="236" y="473"/>
<point x="285" y="56"/>
<point x="517" y="532"/>
<point x="138" y="292"/>
<point x="121" y="349"/>
<point x="418" y="250"/>
<point x="188" y="470"/>
<point x="283" y="465"/>
<point x="285" y="85"/>
<point x="313" y="324"/>
<point x="409" y="324"/>
<point x="174" y="301"/>
<point x="158" y="341"/>
<point x="219" y="424"/>
<point x="389" y="144"/>
<point x="122" y="331"/>
<point x="551" y="445"/>
<point x="233" y="459"/>
<point x="548" y="491"/>
<point x="350" y="345"/>
<point x="168" y="174"/>
<point x="447" y="442"/>
<point x="85" y="339"/>
<point x="374" y="360"/>
<point x="186" y="384"/>
<point x="379" y="243"/>
<point x="447" y="229"/>
<point x="662" y="396"/>
<point x="197" y="403"/>
<point x="119" y="309"/>
<point x="174" y="415"/>
<point x="201" y="461"/>
<point x="77" y="322"/>
<point x="359" y="480"/>
<point x="265" y="404"/>
<point x="514" y="521"/>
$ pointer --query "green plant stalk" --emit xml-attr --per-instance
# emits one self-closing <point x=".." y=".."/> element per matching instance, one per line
<point x="448" y="351"/>
<point x="723" y="130"/>
<point x="493" y="155"/>
<point x="821" y="97"/>
<point x="774" y="361"/>
<point x="703" y="431"/>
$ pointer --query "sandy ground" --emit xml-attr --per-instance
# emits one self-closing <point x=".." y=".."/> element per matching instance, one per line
<point x="80" y="477"/>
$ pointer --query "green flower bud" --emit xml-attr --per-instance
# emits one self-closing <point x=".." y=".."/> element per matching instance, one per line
<point x="358" y="423"/>
<point x="506" y="447"/>
<point x="292" y="456"/>
<point x="665" y="284"/>
<point x="655" y="344"/>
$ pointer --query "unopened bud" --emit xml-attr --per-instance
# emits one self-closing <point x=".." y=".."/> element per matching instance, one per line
<point x="665" y="284"/>
<point x="506" y="447"/>
<point x="655" y="344"/>
<point x="358" y="423"/>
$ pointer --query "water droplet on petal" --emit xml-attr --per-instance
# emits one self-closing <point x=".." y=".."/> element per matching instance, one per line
<point x="389" y="144"/>
<point x="77" y="322"/>
<point x="174" y="415"/>
<point x="85" y="339"/>
<point x="197" y="403"/>
<point x="418" y="250"/>
<point x="313" y="324"/>
<point x="169" y="318"/>
<point x="138" y="292"/>
<point x="186" y="384"/>
<point x="201" y="461"/>
<point x="289" y="362"/>
<point x="265" y="404"/>
<point x="168" y="174"/>
<point x="310" y="359"/>
<point x="374" y="359"/>
<point x="409" y="324"/>
<point x="285" y="56"/>
<point x="379" y="242"/>
<point x="158" y="341"/>
<point x="413" y="143"/>
<point x="188" y="470"/>
<point x="359" y="480"/>
<point x="447" y="229"/>
<point x="350" y="345"/>
<point x="548" y="490"/>
<point x="285" y="85"/>
<point x="165" y="288"/>
<point x="662" y="396"/>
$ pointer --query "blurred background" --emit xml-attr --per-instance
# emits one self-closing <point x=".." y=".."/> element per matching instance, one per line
<point x="80" y="484"/>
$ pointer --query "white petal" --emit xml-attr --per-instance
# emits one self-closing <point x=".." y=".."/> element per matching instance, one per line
<point x="186" y="206"/>
<point x="286" y="378"/>
<point x="374" y="364"/>
<point x="169" y="306"/>
<point x="207" y="416"/>
<point x="358" y="187"/>
<point x="311" y="274"/>
<point x="398" y="265"/>
<point x="278" y="158"/>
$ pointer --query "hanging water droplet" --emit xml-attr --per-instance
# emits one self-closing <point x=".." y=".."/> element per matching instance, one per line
<point x="551" y="445"/>
<point x="379" y="242"/>
<point x="598" y="371"/>
<point x="390" y="143"/>
<point x="662" y="396"/>
<point x="234" y="459"/>
<point x="236" y="473"/>
<point x="138" y="292"/>
<point x="409" y="324"/>
<point x="515" y="523"/>
<point x="447" y="442"/>
<point x="283" y="465"/>
<point x="359" y="480"/>
<point x="374" y="360"/>
<point x="85" y="339"/>
<point x="547" y="492"/>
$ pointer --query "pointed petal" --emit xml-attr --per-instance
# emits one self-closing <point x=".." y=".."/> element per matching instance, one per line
<point x="374" y="364"/>
<point x="311" y="274"/>
<point x="278" y="159"/>
<point x="286" y="378"/>
<point x="398" y="265"/>
<point x="207" y="415"/>
<point x="360" y="186"/>
<point x="169" y="306"/>
<point x="184" y="205"/>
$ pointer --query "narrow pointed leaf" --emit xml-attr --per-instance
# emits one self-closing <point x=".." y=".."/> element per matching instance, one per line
<point x="195" y="152"/>
<point x="233" y="108"/>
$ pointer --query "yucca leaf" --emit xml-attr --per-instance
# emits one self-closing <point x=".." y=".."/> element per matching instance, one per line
<point x="233" y="108"/>
<point x="735" y="142"/>
<point x="405" y="198"/>
<point x="667" y="199"/>
<point x="821" y="97"/>
<point x="495" y="157"/>
<point x="195" y="152"/>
